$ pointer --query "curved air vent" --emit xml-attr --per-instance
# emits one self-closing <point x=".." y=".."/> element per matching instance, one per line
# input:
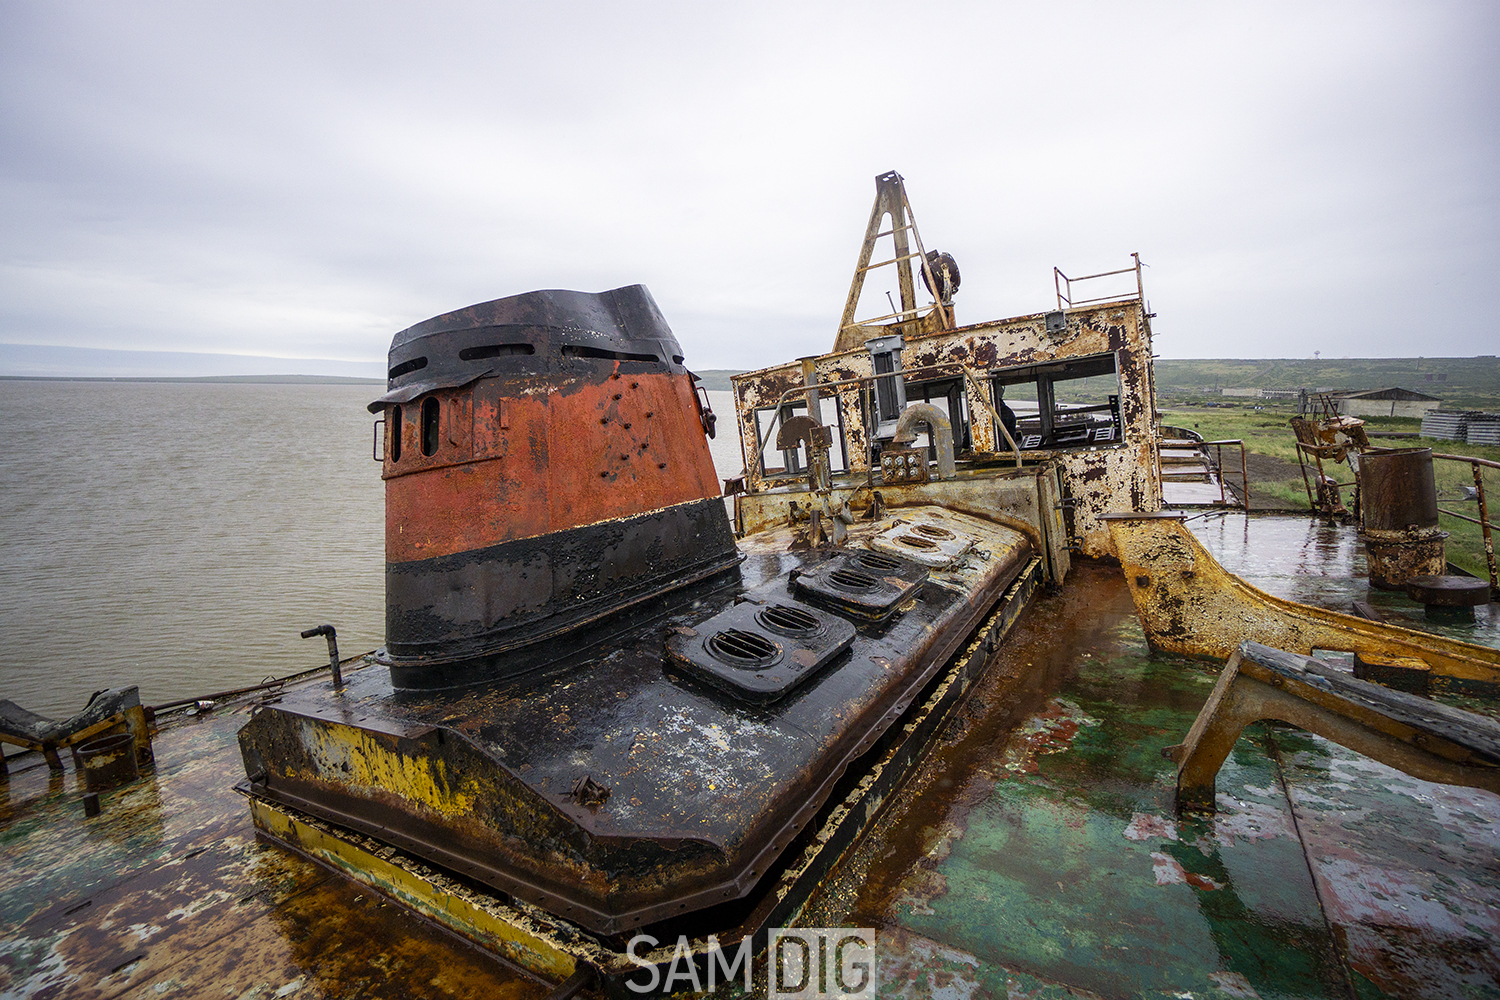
<point x="743" y="649"/>
<point x="932" y="531"/>
<point x="916" y="542"/>
<point x="494" y="351"/>
<point x="878" y="562"/>
<point x="852" y="579"/>
<point x="788" y="620"/>
<point x="577" y="351"/>
<point x="407" y="367"/>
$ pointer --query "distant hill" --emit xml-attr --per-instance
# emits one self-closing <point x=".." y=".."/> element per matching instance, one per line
<point x="1465" y="383"/>
<point x="715" y="378"/>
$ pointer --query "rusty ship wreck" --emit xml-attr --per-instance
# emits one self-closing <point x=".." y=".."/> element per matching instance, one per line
<point x="891" y="676"/>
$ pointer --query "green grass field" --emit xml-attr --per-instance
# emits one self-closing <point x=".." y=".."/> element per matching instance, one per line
<point x="1461" y="383"/>
<point x="1265" y="429"/>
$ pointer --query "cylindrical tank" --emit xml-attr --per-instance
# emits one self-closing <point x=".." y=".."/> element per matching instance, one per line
<point x="107" y="761"/>
<point x="1398" y="504"/>
<point x="546" y="469"/>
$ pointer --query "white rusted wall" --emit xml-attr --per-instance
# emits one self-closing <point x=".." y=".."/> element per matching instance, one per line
<point x="1120" y="476"/>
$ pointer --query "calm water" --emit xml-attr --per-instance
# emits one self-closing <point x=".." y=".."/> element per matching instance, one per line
<point x="179" y="535"/>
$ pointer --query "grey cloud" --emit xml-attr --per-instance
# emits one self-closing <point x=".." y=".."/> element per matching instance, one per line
<point x="302" y="180"/>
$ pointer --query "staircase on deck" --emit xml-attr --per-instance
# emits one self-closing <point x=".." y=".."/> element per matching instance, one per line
<point x="1192" y="474"/>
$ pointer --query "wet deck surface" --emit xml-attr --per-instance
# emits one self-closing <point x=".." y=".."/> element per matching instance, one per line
<point x="1035" y="852"/>
<point x="168" y="893"/>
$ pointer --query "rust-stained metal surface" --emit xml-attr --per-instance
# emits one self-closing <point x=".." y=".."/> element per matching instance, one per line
<point x="1098" y="479"/>
<point x="1190" y="604"/>
<point x="1033" y="853"/>
<point x="168" y="892"/>
<point x="554" y="948"/>
<point x="1399" y="509"/>
<point x="1037" y="854"/>
<point x="1412" y="734"/>
<point x="545" y="468"/>
<point x="705" y="791"/>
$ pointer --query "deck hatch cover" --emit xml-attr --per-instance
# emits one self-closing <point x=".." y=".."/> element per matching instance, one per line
<point x="783" y="619"/>
<point x="865" y="585"/>
<point x="923" y="542"/>
<point x="759" y="654"/>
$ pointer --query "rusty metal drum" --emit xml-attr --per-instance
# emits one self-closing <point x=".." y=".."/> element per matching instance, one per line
<point x="107" y="761"/>
<point x="1398" y="504"/>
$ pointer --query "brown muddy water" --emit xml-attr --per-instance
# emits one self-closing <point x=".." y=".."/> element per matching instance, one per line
<point x="178" y="536"/>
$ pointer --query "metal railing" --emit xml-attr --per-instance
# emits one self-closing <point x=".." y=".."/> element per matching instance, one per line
<point x="1483" y="520"/>
<point x="1064" y="286"/>
<point x="1218" y="447"/>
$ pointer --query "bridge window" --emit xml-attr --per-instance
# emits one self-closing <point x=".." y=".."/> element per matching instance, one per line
<point x="1061" y="404"/>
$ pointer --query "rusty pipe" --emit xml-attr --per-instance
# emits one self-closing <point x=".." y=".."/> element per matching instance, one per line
<point x="942" y="434"/>
<point x="333" y="650"/>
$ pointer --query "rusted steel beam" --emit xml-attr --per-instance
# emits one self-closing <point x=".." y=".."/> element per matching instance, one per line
<point x="890" y="199"/>
<point x="1190" y="604"/>
<point x="1425" y="739"/>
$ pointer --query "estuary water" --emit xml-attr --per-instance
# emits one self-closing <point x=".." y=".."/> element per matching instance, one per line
<point x="179" y="535"/>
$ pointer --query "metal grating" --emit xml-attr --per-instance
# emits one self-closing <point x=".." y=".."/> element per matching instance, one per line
<point x="788" y="620"/>
<point x="743" y="649"/>
<point x="758" y="651"/>
<point x="865" y="585"/>
<point x="852" y="579"/>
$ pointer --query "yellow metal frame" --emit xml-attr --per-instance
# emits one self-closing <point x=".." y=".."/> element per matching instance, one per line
<point x="508" y="931"/>
<point x="1190" y="604"/>
<point x="1249" y="691"/>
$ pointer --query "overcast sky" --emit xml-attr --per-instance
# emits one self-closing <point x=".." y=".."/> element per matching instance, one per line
<point x="303" y="179"/>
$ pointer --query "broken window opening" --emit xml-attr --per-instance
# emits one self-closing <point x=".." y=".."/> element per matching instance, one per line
<point x="430" y="410"/>
<point x="1062" y="405"/>
<point x="794" y="461"/>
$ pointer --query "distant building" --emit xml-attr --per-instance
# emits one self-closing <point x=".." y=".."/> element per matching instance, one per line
<point x="1253" y="393"/>
<point x="1391" y="402"/>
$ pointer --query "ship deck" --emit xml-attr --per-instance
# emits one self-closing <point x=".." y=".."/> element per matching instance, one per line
<point x="1034" y="852"/>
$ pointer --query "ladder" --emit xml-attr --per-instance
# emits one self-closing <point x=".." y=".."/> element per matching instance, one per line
<point x="890" y="200"/>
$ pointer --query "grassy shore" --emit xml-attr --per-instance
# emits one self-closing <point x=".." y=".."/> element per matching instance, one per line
<point x="1276" y="480"/>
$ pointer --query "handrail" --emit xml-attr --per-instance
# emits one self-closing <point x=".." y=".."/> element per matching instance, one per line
<point x="1244" y="469"/>
<point x="1477" y="464"/>
<point x="1067" y="300"/>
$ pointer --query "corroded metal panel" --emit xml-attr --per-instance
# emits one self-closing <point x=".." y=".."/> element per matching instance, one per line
<point x="545" y="456"/>
<point x="1122" y="476"/>
<point x="612" y="791"/>
<point x="546" y="467"/>
<point x="1190" y="604"/>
